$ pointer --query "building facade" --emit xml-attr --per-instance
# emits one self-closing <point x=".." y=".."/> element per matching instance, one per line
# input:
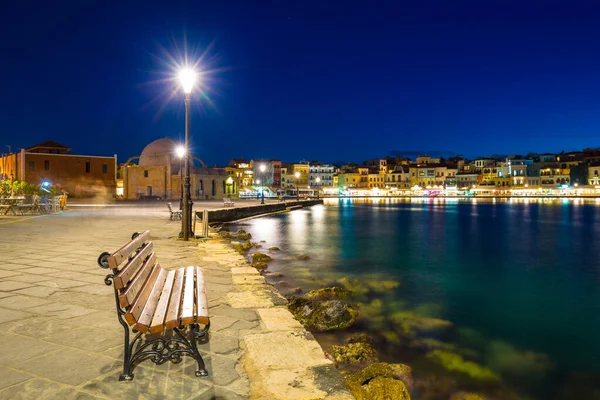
<point x="78" y="175"/>
<point x="160" y="174"/>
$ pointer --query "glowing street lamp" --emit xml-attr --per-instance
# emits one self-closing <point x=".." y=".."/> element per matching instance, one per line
<point x="318" y="189"/>
<point x="187" y="79"/>
<point x="297" y="175"/>
<point x="263" y="168"/>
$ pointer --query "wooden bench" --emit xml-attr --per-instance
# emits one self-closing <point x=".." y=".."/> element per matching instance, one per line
<point x="173" y="215"/>
<point x="227" y="202"/>
<point x="154" y="301"/>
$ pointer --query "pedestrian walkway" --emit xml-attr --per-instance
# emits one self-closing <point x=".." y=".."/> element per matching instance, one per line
<point x="61" y="337"/>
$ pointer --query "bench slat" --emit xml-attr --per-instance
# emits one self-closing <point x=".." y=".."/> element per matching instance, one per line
<point x="201" y="303"/>
<point x="140" y="302"/>
<point x="172" y="319"/>
<point x="127" y="296"/>
<point x="129" y="270"/>
<point x="158" y="320"/>
<point x="125" y="252"/>
<point x="155" y="291"/>
<point x="186" y="316"/>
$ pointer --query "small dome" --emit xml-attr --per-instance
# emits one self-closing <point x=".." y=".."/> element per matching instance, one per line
<point x="159" y="152"/>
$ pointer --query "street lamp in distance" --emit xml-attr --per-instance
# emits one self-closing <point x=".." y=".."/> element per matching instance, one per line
<point x="262" y="168"/>
<point x="187" y="78"/>
<point x="297" y="175"/>
<point x="318" y="190"/>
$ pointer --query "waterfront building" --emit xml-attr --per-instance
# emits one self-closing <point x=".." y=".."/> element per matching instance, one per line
<point x="159" y="173"/>
<point x="241" y="169"/>
<point x="79" y="175"/>
<point x="398" y="179"/>
<point x="322" y="171"/>
<point x="271" y="177"/>
<point x="467" y="180"/>
<point x="594" y="173"/>
<point x="378" y="164"/>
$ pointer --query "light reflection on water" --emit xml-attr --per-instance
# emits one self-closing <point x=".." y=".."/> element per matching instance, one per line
<point x="523" y="273"/>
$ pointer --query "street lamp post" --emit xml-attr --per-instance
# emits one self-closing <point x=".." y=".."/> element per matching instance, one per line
<point x="187" y="77"/>
<point x="257" y="182"/>
<point x="263" y="168"/>
<point x="318" y="190"/>
<point x="180" y="151"/>
<point x="297" y="175"/>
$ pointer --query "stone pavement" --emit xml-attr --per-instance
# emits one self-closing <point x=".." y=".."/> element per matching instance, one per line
<point x="61" y="338"/>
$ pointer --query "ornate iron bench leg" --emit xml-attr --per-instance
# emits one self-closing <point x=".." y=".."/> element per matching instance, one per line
<point x="195" y="333"/>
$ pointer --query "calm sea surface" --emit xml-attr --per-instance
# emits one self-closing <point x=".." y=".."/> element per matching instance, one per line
<point x="519" y="279"/>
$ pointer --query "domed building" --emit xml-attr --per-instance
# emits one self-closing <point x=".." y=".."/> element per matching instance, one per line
<point x="160" y="172"/>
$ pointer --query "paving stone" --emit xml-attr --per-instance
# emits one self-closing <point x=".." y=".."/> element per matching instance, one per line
<point x="29" y="278"/>
<point x="37" y="291"/>
<point x="95" y="289"/>
<point x="79" y="366"/>
<point x="224" y="310"/>
<point x="11" y="315"/>
<point x="59" y="283"/>
<point x="4" y="273"/>
<point x="12" y="266"/>
<point x="38" y="326"/>
<point x="220" y="344"/>
<point x="35" y="389"/>
<point x="284" y="349"/>
<point x="11" y="377"/>
<point x="84" y="339"/>
<point x="61" y="310"/>
<point x="9" y="286"/>
<point x="244" y="271"/>
<point x="17" y="348"/>
<point x="289" y="383"/>
<point x="81" y="277"/>
<point x="148" y="384"/>
<point x="5" y="294"/>
<point x="278" y="319"/>
<point x="39" y="270"/>
<point x="249" y="299"/>
<point x="248" y="279"/>
<point x="20" y="302"/>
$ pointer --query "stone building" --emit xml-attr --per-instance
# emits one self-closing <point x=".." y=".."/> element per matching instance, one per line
<point x="160" y="173"/>
<point x="79" y="175"/>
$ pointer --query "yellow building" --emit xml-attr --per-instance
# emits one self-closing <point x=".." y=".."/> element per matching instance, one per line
<point x="242" y="170"/>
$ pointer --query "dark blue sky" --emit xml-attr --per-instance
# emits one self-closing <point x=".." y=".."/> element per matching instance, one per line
<point x="330" y="80"/>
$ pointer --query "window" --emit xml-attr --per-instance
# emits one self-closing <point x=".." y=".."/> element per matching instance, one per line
<point x="32" y="165"/>
<point x="104" y="168"/>
<point x="88" y="167"/>
<point x="46" y="165"/>
<point x="214" y="188"/>
<point x="145" y="173"/>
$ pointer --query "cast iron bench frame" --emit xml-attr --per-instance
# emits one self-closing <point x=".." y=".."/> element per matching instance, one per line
<point x="152" y="300"/>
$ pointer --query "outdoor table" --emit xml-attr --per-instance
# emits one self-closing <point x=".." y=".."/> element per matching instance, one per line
<point x="10" y="203"/>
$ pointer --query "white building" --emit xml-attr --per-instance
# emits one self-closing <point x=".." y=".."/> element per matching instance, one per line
<point x="322" y="171"/>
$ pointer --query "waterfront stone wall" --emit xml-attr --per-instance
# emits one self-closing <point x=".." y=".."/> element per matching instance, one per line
<point x="235" y="213"/>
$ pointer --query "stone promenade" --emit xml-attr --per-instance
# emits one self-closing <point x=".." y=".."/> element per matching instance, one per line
<point x="60" y="338"/>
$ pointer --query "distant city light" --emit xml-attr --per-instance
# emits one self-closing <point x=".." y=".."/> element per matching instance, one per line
<point x="263" y="168"/>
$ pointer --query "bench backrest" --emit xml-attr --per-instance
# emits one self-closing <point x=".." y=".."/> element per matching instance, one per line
<point x="134" y="265"/>
<point x="170" y="207"/>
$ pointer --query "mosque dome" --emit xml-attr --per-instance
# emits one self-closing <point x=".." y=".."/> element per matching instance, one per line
<point x="159" y="152"/>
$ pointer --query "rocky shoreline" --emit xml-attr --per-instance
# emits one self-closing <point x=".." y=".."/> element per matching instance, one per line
<point x="364" y="328"/>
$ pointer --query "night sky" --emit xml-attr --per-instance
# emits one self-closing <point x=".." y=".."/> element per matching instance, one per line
<point x="329" y="80"/>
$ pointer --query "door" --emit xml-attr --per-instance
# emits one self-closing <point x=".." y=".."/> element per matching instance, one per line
<point x="148" y="190"/>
